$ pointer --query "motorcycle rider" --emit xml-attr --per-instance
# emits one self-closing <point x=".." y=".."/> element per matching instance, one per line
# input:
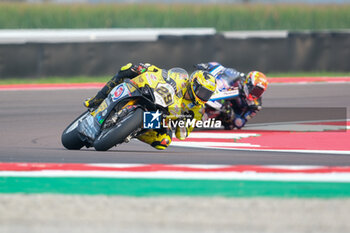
<point x="251" y="86"/>
<point x="192" y="94"/>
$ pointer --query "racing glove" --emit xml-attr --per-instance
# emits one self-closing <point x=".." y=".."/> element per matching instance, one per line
<point x="141" y="68"/>
<point x="239" y="122"/>
<point x="252" y="110"/>
<point x="130" y="71"/>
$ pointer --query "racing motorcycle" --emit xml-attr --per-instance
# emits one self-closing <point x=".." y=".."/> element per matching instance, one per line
<point x="119" y="118"/>
<point x="220" y="105"/>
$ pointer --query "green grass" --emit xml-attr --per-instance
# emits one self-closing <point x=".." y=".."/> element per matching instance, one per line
<point x="103" y="79"/>
<point x="220" y="16"/>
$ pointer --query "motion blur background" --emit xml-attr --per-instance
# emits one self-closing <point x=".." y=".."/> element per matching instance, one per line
<point x="186" y="1"/>
<point x="42" y="38"/>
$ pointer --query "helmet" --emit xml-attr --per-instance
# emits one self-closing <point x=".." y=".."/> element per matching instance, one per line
<point x="201" y="87"/>
<point x="255" y="85"/>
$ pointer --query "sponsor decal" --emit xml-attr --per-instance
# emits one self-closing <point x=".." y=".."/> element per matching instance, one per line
<point x="150" y="78"/>
<point x="191" y="105"/>
<point x="118" y="93"/>
<point x="102" y="107"/>
<point x="153" y="77"/>
<point x="131" y="87"/>
<point x="222" y="84"/>
<point x="100" y="119"/>
<point x="225" y="95"/>
<point x="176" y="108"/>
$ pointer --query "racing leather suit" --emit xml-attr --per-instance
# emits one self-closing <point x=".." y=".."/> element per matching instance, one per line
<point x="243" y="108"/>
<point x="181" y="109"/>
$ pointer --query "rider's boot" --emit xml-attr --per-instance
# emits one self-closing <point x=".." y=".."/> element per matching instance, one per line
<point x="127" y="71"/>
<point x="158" y="138"/>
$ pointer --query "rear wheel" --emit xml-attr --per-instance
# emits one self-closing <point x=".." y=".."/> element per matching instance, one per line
<point x="117" y="134"/>
<point x="70" y="137"/>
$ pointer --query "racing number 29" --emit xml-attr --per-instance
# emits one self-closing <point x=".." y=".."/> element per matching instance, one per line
<point x="165" y="93"/>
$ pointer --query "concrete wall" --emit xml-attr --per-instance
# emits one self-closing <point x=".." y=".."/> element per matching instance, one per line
<point x="294" y="52"/>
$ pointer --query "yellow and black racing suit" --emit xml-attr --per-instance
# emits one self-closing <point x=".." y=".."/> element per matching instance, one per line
<point x="182" y="108"/>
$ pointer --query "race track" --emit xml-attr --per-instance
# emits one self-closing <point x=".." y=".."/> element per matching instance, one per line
<point x="31" y="123"/>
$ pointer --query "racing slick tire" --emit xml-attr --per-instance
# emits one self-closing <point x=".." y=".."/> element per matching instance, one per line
<point x="70" y="137"/>
<point x="116" y="134"/>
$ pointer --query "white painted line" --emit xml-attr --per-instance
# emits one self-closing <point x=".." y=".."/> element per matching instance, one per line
<point x="255" y="34"/>
<point x="207" y="166"/>
<point x="202" y="166"/>
<point x="202" y="146"/>
<point x="211" y="144"/>
<point x="341" y="152"/>
<point x="301" y="122"/>
<point x="310" y="83"/>
<point x="315" y="177"/>
<point x="117" y="165"/>
<point x="9" y="36"/>
<point x="227" y="135"/>
<point x="298" y="127"/>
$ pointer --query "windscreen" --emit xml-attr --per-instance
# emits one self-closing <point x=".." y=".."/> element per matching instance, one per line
<point x="177" y="73"/>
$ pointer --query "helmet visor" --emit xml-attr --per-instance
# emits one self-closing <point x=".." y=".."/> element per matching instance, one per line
<point x="256" y="92"/>
<point x="201" y="92"/>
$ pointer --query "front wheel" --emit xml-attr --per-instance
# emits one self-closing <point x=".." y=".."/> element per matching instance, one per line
<point x="70" y="137"/>
<point x="115" y="135"/>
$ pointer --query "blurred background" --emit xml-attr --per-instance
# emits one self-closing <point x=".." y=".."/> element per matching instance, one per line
<point x="45" y="38"/>
<point x="187" y="1"/>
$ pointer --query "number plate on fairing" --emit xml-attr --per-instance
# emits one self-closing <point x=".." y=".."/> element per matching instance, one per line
<point x="164" y="94"/>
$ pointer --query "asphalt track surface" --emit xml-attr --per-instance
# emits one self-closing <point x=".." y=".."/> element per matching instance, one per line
<point x="31" y="123"/>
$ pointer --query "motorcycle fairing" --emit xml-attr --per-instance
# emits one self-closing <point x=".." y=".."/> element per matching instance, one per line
<point x="224" y="90"/>
<point x="92" y="124"/>
<point x="220" y="95"/>
<point x="145" y="86"/>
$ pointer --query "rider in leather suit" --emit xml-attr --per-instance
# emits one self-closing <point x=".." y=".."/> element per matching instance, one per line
<point x="191" y="95"/>
<point x="251" y="86"/>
